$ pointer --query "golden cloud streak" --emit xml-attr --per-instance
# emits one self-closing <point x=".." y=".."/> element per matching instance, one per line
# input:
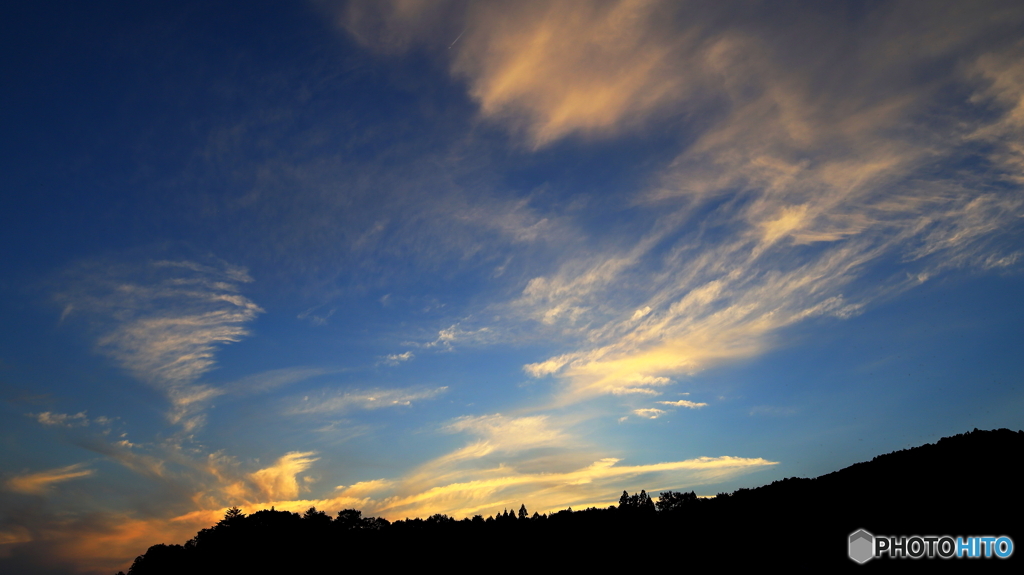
<point x="39" y="483"/>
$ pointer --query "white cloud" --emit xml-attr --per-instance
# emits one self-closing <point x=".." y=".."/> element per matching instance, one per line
<point x="649" y="412"/>
<point x="684" y="403"/>
<point x="801" y="177"/>
<point x="364" y="399"/>
<point x="164" y="321"/>
<point x="640" y="313"/>
<point x="809" y="190"/>
<point x="397" y="358"/>
<point x="447" y="337"/>
<point x="550" y="366"/>
<point x="503" y="433"/>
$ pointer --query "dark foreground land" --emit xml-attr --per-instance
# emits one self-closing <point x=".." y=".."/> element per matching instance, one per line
<point x="964" y="485"/>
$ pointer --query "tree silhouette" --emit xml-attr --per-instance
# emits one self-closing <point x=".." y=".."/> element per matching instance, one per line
<point x="232" y="516"/>
<point x="636" y="502"/>
<point x="316" y="518"/>
<point x="826" y="509"/>
<point x="349" y="519"/>
<point x="672" y="501"/>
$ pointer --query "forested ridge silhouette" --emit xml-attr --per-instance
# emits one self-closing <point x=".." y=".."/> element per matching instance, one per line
<point x="967" y="484"/>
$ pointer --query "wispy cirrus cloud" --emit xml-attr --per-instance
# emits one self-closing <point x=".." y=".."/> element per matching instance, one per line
<point x="684" y="403"/>
<point x="397" y="358"/>
<point x="163" y="320"/>
<point x="61" y="419"/>
<point x="342" y="401"/>
<point x="455" y="333"/>
<point x="547" y="70"/>
<point x="812" y="161"/>
<point x="180" y="467"/>
<point x="273" y="379"/>
<point x="40" y="482"/>
<point x="279" y="481"/>
<point x="594" y="485"/>
<point x="494" y="434"/>
<point x="98" y="436"/>
<point x="489" y="490"/>
<point x="314" y="318"/>
<point x="534" y="459"/>
<point x="508" y="461"/>
<point x="649" y="412"/>
<point x="655" y="413"/>
<point x="792" y="194"/>
<point x="552" y="70"/>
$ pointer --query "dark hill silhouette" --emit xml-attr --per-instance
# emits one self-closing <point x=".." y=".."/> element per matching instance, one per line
<point x="963" y="485"/>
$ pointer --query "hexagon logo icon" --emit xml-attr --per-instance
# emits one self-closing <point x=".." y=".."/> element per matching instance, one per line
<point x="861" y="543"/>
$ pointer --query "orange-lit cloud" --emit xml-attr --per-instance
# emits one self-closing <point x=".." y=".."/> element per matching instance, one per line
<point x="1003" y="77"/>
<point x="62" y="419"/>
<point x="533" y="459"/>
<point x="824" y="163"/>
<point x="116" y="539"/>
<point x="554" y="69"/>
<point x="487" y="490"/>
<point x="547" y="69"/>
<point x="279" y="480"/>
<point x="508" y="460"/>
<point x="822" y="188"/>
<point x="596" y="484"/>
<point x="41" y="482"/>
<point x="96" y="543"/>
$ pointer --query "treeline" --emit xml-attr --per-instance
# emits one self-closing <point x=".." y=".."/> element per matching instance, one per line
<point x="962" y="485"/>
<point x="310" y="542"/>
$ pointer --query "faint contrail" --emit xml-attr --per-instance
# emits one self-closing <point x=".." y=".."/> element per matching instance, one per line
<point x="456" y="39"/>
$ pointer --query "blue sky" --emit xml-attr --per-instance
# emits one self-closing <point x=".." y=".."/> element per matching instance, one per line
<point x="451" y="257"/>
